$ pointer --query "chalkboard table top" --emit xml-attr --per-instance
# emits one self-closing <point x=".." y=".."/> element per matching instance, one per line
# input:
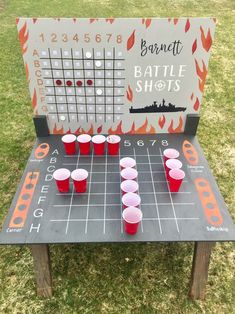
<point x="39" y="214"/>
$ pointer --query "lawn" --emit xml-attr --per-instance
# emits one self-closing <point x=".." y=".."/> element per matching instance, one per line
<point x="137" y="278"/>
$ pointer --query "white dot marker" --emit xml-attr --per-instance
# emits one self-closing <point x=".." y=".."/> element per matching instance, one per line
<point x="62" y="118"/>
<point x="98" y="63"/>
<point x="88" y="55"/>
<point x="99" y="92"/>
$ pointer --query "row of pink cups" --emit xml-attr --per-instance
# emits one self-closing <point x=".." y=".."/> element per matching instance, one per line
<point x="132" y="215"/>
<point x="85" y="140"/>
<point x="79" y="177"/>
<point x="174" y="173"/>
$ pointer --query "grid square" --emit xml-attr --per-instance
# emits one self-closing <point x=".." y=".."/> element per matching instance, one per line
<point x="145" y="187"/>
<point x="100" y="109"/>
<point x="147" y="198"/>
<point x="149" y="211"/>
<point x="96" y="199"/>
<point x="113" y="167"/>
<point x="80" y="199"/>
<point x="113" y="177"/>
<point x="99" y="168"/>
<point x="62" y="108"/>
<point x="73" y="117"/>
<point x="98" y="160"/>
<point x="98" y="177"/>
<point x="143" y="176"/>
<point x="96" y="188"/>
<point x="113" y="199"/>
<point x="164" y="199"/>
<point x="79" y="212"/>
<point x="143" y="167"/>
<point x="113" y="187"/>
<point x="113" y="212"/>
<point x="81" y="108"/>
<point x="96" y="212"/>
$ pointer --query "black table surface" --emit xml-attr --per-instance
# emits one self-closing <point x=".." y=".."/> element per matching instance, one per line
<point x="39" y="214"/>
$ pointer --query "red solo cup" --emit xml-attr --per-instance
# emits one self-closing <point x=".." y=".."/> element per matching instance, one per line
<point x="99" y="144"/>
<point x="172" y="164"/>
<point x="176" y="177"/>
<point x="84" y="142"/>
<point x="128" y="186"/>
<point x="61" y="177"/>
<point x="113" y="144"/>
<point x="79" y="177"/>
<point x="129" y="174"/>
<point x="131" y="199"/>
<point x="127" y="162"/>
<point x="69" y="141"/>
<point x="170" y="153"/>
<point x="132" y="217"/>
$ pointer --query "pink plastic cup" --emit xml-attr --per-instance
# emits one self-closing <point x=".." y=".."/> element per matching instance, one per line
<point x="79" y="177"/>
<point x="172" y="164"/>
<point x="99" y="144"/>
<point x="170" y="153"/>
<point x="113" y="144"/>
<point x="84" y="142"/>
<point x="176" y="177"/>
<point x="127" y="162"/>
<point x="61" y="177"/>
<point x="69" y="141"/>
<point x="129" y="174"/>
<point x="132" y="217"/>
<point x="131" y="199"/>
<point x="128" y="186"/>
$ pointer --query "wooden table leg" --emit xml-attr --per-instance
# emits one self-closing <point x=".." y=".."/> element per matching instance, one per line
<point x="42" y="268"/>
<point x="200" y="266"/>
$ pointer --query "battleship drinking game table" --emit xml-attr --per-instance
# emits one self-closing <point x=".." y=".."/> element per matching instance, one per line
<point x="141" y="79"/>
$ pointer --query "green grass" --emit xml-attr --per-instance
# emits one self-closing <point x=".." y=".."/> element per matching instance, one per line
<point x="138" y="278"/>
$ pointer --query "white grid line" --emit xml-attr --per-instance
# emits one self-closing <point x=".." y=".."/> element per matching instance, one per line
<point x="120" y="193"/>
<point x="141" y="224"/>
<point x="118" y="219"/>
<point x="89" y="193"/>
<point x="172" y="204"/>
<point x="155" y="195"/>
<point x="71" y="201"/>
<point x="105" y="183"/>
<point x="118" y="204"/>
<point x="115" y="193"/>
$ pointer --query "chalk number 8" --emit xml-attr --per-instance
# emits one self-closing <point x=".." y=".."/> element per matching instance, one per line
<point x="164" y="143"/>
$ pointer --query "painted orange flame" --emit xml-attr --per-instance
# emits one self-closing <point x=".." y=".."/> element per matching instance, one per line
<point x="178" y="129"/>
<point x="196" y="105"/>
<point x="17" y="20"/>
<point x="175" y="21"/>
<point x="58" y="131"/>
<point x="161" y="121"/>
<point x="99" y="129"/>
<point x="93" y="20"/>
<point x="27" y="71"/>
<point x="23" y="37"/>
<point x="148" y="22"/>
<point x="82" y="131"/>
<point x="194" y="46"/>
<point x="202" y="74"/>
<point x="141" y="130"/>
<point x="129" y="94"/>
<point x="110" y="20"/>
<point x="131" y="41"/>
<point x="192" y="95"/>
<point x="206" y="40"/>
<point x="187" y="26"/>
<point x="34" y="99"/>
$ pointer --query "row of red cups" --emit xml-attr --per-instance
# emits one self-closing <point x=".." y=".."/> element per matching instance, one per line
<point x="85" y="140"/>
<point x="174" y="173"/>
<point x="132" y="215"/>
<point x="79" y="177"/>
